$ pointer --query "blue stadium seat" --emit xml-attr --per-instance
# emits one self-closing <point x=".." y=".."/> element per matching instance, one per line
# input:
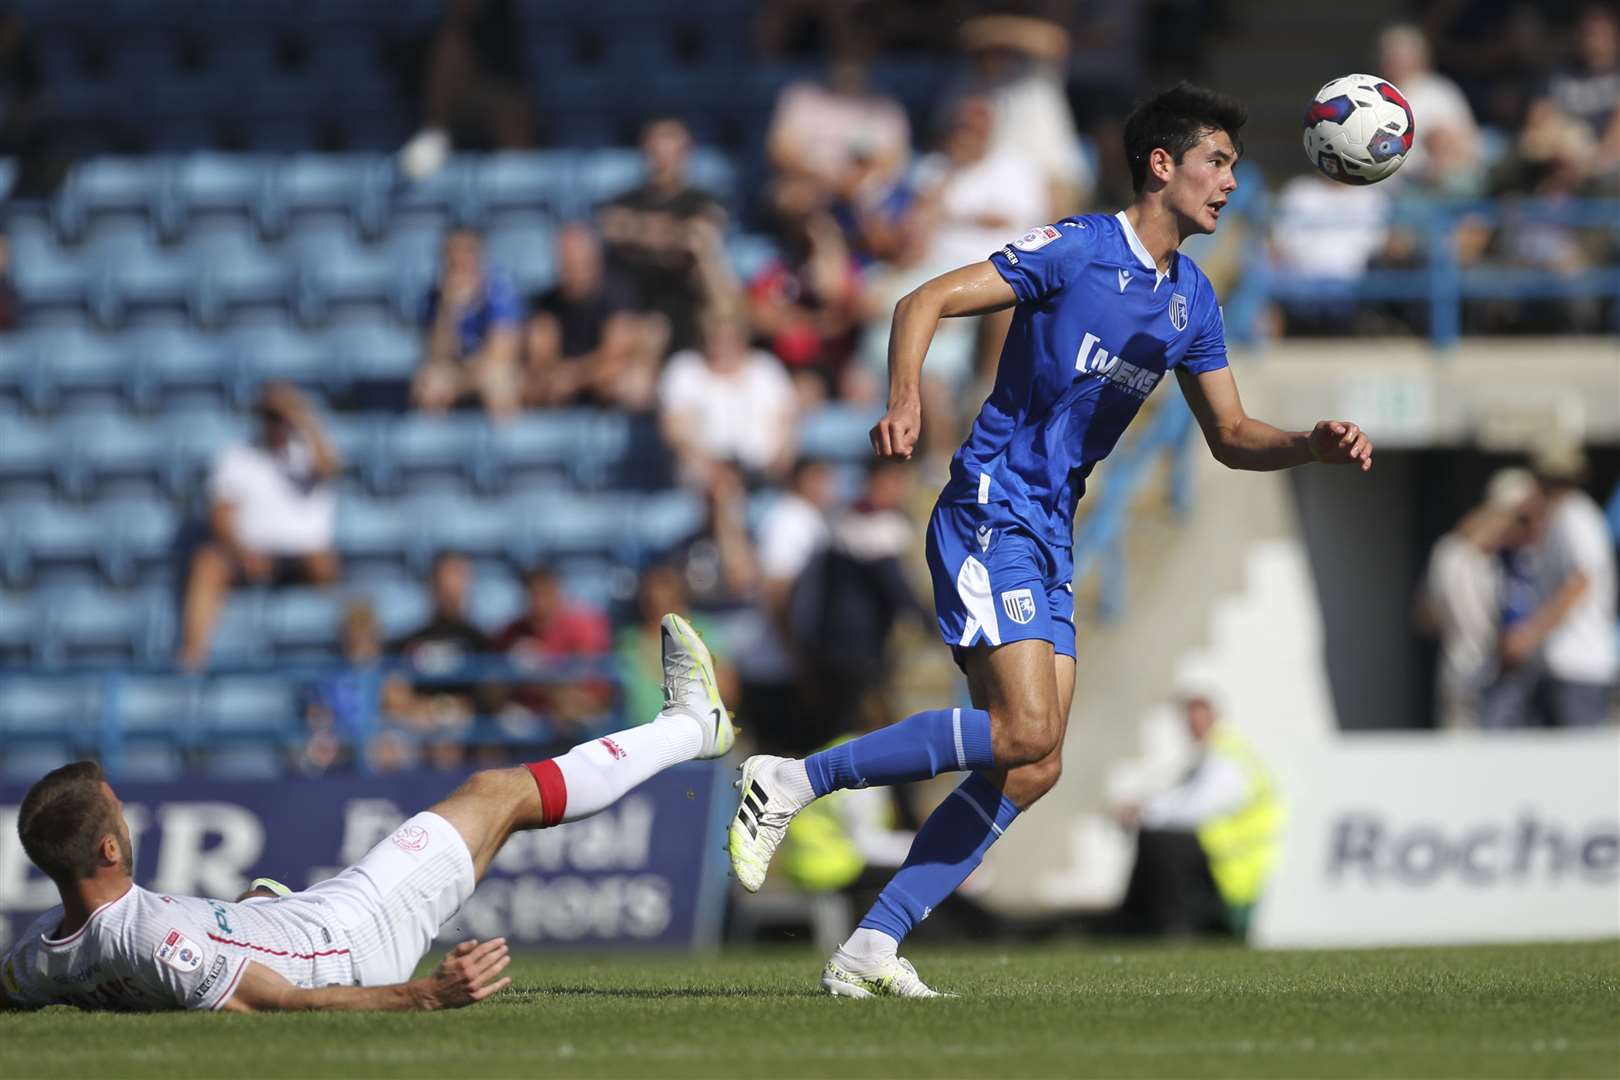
<point x="446" y="197"/>
<point x="604" y="174"/>
<point x="49" y="706"/>
<point x="85" y="625"/>
<point x="238" y="272"/>
<point x="179" y="369"/>
<point x="401" y="606"/>
<point x="112" y="185"/>
<point x="244" y="762"/>
<point x="29" y="452"/>
<point x="538" y="450"/>
<point x="76" y="366"/>
<point x="712" y="170"/>
<point x="26" y="763"/>
<point x="147" y="762"/>
<point x="282" y="354"/>
<point x="199" y="436"/>
<point x="335" y="270"/>
<point x="143" y="533"/>
<point x="229" y="185"/>
<point x="477" y="527"/>
<point x="102" y="448"/>
<point x="428" y="452"/>
<point x="527" y="253"/>
<point x="158" y="707"/>
<point x="248" y="706"/>
<point x="338" y="187"/>
<point x="47" y="276"/>
<point x="521" y="183"/>
<point x="358" y="439"/>
<point x="303" y="622"/>
<point x="665" y="519"/>
<point x="496" y="601"/>
<point x="595" y="525"/>
<point x="374" y="530"/>
<point x="18" y="627"/>
<point x="239" y="636"/>
<point x="134" y="274"/>
<point x="837" y="432"/>
<point x="373" y="350"/>
<point x="49" y="536"/>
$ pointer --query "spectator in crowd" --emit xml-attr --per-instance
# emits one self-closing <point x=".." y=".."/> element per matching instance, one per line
<point x="584" y="342"/>
<point x="845" y="602"/>
<point x="727" y="403"/>
<point x="553" y="630"/>
<point x="10" y="302"/>
<point x="838" y="135"/>
<point x="805" y="304"/>
<point x="792" y="530"/>
<point x="1447" y="137"/>
<point x="1589" y="89"/>
<point x="1019" y="64"/>
<point x="1461" y="597"/>
<point x="1325" y="234"/>
<point x="272" y="513"/>
<point x="473" y="86"/>
<point x="717" y="564"/>
<point x="649" y="231"/>
<point x="472" y="318"/>
<point x="638" y="646"/>
<point x="362" y="709"/>
<point x="1204" y="847"/>
<point x="444" y="704"/>
<point x="947" y="378"/>
<point x="978" y="196"/>
<point x="1573" y="627"/>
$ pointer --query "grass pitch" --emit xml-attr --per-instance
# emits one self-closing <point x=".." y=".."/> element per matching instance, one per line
<point x="1059" y="1010"/>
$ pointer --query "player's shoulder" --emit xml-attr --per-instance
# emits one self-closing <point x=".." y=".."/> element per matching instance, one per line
<point x="1194" y="282"/>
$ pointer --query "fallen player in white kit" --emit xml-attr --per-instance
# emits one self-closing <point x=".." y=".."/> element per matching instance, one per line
<point x="351" y="942"/>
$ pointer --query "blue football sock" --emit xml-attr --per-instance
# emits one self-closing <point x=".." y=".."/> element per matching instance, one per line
<point x="948" y="847"/>
<point x="922" y="745"/>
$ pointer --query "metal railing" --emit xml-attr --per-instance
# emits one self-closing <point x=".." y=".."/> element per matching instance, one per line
<point x="1440" y="283"/>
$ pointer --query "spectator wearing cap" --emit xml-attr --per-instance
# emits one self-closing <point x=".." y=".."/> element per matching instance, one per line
<point x="271" y="516"/>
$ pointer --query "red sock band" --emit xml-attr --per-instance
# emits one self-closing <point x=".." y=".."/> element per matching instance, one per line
<point x="553" y="791"/>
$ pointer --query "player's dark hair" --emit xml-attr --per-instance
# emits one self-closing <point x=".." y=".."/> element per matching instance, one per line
<point x="1176" y="119"/>
<point x="63" y="819"/>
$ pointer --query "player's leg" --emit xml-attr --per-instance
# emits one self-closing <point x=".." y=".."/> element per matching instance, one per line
<point x="694" y="723"/>
<point x="989" y="586"/>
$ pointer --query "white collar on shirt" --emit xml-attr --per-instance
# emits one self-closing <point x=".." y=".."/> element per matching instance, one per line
<point x="1139" y="249"/>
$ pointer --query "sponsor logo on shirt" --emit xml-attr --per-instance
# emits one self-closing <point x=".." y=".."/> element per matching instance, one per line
<point x="1019" y="604"/>
<point x="410" y="838"/>
<point x="1007" y="253"/>
<point x="220" y="964"/>
<point x="1124" y="279"/>
<point x="1036" y="238"/>
<point x="1094" y="360"/>
<point x="613" y="748"/>
<point x="179" y="952"/>
<point x="1178" y="312"/>
<point x="984" y="533"/>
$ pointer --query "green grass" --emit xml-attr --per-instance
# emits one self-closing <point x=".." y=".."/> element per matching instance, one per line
<point x="1060" y="1010"/>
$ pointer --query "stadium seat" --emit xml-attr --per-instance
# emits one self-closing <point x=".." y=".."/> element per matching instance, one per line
<point x="28" y="761"/>
<point x="143" y="533"/>
<point x="50" y="706"/>
<point x="374" y="351"/>
<point x="239" y="635"/>
<point x="158" y="707"/>
<point x="283" y="354"/>
<point x="111" y="185"/>
<point x="228" y="185"/>
<point x="98" y="626"/>
<point x="521" y="183"/>
<point x="496" y="601"/>
<point x="665" y="519"/>
<point x="527" y="254"/>
<point x="433" y="452"/>
<point x="99" y="449"/>
<point x="48" y="278"/>
<point x="18" y="630"/>
<point x="373" y="530"/>
<point x="604" y="174"/>
<point x="538" y="451"/>
<point x="28" y="454"/>
<point x="401" y="606"/>
<point x="304" y="623"/>
<point x="75" y="367"/>
<point x="179" y="369"/>
<point x="478" y="527"/>
<point x="338" y="187"/>
<point x="837" y="433"/>
<point x="46" y="536"/>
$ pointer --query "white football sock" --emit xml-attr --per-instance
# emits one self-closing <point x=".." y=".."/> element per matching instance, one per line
<point x="868" y="944"/>
<point x="600" y="772"/>
<point x="794" y="781"/>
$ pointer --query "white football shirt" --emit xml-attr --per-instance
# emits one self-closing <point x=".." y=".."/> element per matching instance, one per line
<point x="149" y="951"/>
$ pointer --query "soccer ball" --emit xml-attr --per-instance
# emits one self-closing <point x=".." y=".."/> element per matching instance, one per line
<point x="1358" y="129"/>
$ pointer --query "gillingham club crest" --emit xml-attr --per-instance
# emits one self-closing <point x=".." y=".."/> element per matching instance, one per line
<point x="1178" y="312"/>
<point x="1019" y="604"/>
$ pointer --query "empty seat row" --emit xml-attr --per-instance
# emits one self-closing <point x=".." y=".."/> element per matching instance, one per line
<point x="275" y="192"/>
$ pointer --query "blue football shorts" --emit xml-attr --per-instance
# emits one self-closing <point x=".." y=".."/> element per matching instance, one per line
<point x="995" y="581"/>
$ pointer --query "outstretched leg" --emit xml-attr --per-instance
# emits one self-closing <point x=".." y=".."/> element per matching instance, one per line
<point x="693" y="724"/>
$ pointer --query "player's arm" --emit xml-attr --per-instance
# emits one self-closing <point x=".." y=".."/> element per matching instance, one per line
<point x="1239" y="441"/>
<point x="469" y="974"/>
<point x="975" y="289"/>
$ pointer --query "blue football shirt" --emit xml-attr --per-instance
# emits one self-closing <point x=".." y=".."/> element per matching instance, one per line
<point x="1095" y="329"/>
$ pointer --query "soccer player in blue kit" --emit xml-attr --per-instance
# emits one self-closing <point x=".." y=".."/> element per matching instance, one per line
<point x="1104" y="307"/>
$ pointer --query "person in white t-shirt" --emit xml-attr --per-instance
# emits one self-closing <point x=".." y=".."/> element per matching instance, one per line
<point x="727" y="403"/>
<point x="349" y="943"/>
<point x="1574" y="628"/>
<point x="1441" y="112"/>
<point x="272" y="515"/>
<point x="1461" y="597"/>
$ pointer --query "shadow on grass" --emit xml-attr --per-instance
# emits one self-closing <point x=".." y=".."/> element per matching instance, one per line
<point x="666" y="993"/>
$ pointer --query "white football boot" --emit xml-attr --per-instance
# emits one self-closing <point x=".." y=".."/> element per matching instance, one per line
<point x="888" y="976"/>
<point x="763" y="814"/>
<point x="690" y="686"/>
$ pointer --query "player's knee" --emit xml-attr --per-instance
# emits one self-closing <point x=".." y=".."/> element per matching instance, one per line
<point x="1026" y="736"/>
<point x="1043" y="776"/>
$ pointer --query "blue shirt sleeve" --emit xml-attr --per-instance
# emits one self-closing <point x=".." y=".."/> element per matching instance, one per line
<point x="1208" y="350"/>
<point x="1044" y="259"/>
<point x="501" y="302"/>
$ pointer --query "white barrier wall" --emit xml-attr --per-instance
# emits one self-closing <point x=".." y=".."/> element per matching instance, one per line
<point x="1426" y="839"/>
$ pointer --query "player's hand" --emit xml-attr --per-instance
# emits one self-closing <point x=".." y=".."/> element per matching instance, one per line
<point x="895" y="436"/>
<point x="1339" y="442"/>
<point x="468" y="975"/>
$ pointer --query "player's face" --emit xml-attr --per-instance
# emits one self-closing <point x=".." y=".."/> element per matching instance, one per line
<point x="1202" y="182"/>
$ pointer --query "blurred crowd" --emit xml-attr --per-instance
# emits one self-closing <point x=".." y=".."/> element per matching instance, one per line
<point x="1520" y="595"/>
<point x="1511" y="102"/>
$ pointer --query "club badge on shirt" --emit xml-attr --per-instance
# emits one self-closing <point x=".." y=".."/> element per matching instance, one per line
<point x="1036" y="238"/>
<point x="179" y="952"/>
